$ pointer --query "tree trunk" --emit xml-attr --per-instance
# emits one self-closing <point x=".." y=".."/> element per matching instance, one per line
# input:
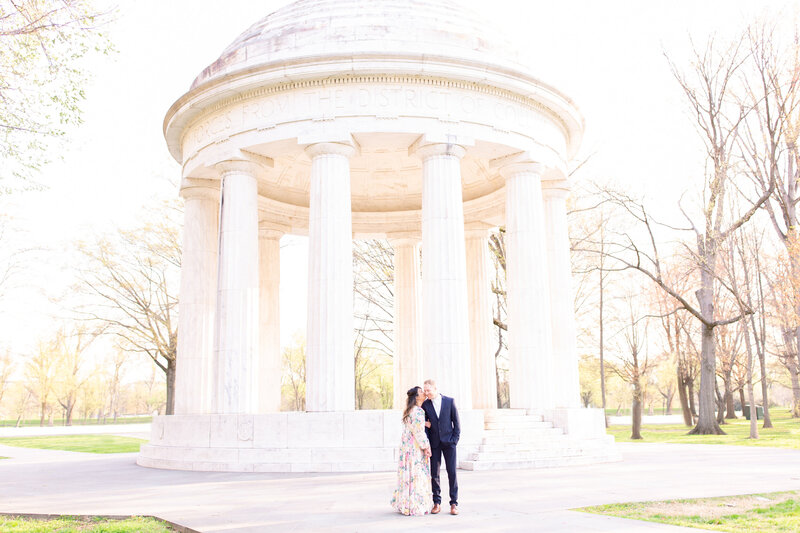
<point x="720" y="406"/>
<point x="793" y="371"/>
<point x="764" y="398"/>
<point x="496" y="354"/>
<point x="668" y="406"/>
<point x="706" y="421"/>
<point x="750" y="394"/>
<point x="602" y="351"/>
<point x="170" y="387"/>
<point x="44" y="410"/>
<point x="636" y="412"/>
<point x="69" y="410"/>
<point x="684" y="400"/>
<point x="741" y="398"/>
<point x="730" y="407"/>
<point x="692" y="396"/>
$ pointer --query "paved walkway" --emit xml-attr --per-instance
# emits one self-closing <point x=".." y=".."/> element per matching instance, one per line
<point x="141" y="431"/>
<point x="39" y="481"/>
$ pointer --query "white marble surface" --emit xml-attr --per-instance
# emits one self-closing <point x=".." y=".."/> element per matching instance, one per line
<point x="407" y="357"/>
<point x="363" y="141"/>
<point x="445" y="328"/>
<point x="269" y="320"/>
<point x="330" y="372"/>
<point x="197" y="300"/>
<point x="237" y="296"/>
<point x="530" y="348"/>
<point x="483" y="340"/>
<point x="354" y="441"/>
<point x="565" y="351"/>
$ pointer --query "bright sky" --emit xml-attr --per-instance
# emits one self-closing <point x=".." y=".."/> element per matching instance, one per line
<point x="606" y="55"/>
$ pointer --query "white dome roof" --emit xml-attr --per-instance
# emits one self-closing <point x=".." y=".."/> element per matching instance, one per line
<point x="364" y="28"/>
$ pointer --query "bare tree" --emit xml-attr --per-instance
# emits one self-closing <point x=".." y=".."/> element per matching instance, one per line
<point x="634" y="365"/>
<point x="115" y="365"/>
<point x="497" y="248"/>
<point x="294" y="374"/>
<point x="709" y="88"/>
<point x="675" y="323"/>
<point x="730" y="341"/>
<point x="744" y="271"/>
<point x="783" y="294"/>
<point x="40" y="376"/>
<point x="23" y="399"/>
<point x="71" y="349"/>
<point x="373" y="285"/>
<point x="663" y="380"/>
<point x="772" y="157"/>
<point x="133" y="280"/>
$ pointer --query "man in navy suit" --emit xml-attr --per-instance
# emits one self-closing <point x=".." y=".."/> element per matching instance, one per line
<point x="443" y="429"/>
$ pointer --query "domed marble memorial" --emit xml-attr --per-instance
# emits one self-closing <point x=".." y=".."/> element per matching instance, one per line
<point x="346" y="119"/>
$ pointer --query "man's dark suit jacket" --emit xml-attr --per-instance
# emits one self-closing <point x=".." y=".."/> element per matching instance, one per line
<point x="445" y="429"/>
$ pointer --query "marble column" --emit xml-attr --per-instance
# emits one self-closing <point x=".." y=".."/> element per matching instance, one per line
<point x="482" y="340"/>
<point x="562" y="310"/>
<point x="530" y="348"/>
<point x="330" y="372"/>
<point x="237" y="299"/>
<point x="445" y="322"/>
<point x="269" y="332"/>
<point x="198" y="296"/>
<point x="407" y="339"/>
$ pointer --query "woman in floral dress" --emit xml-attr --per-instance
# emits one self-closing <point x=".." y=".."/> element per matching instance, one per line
<point x="413" y="494"/>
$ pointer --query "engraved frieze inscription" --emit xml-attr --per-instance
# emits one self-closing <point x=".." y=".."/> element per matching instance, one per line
<point x="375" y="99"/>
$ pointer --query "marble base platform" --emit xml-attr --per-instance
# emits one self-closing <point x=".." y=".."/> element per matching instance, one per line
<point x="366" y="441"/>
<point x="354" y="441"/>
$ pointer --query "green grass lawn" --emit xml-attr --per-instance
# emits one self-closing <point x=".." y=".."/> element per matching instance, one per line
<point x="96" y="524"/>
<point x="763" y="513"/>
<point x="34" y="422"/>
<point x="78" y="443"/>
<point x="611" y="411"/>
<point x="785" y="434"/>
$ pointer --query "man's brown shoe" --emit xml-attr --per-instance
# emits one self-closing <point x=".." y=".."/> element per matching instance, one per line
<point x="436" y="509"/>
<point x="454" y="509"/>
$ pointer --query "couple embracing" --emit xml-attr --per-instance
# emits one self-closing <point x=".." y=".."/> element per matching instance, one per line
<point x="430" y="431"/>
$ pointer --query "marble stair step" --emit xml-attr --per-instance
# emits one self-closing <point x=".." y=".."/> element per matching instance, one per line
<point x="538" y="463"/>
<point x="544" y="444"/>
<point x="517" y="435"/>
<point x="509" y="414"/>
<point x="530" y="455"/>
<point x="521" y="423"/>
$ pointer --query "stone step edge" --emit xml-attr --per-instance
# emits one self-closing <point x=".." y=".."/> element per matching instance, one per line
<point x="544" y="463"/>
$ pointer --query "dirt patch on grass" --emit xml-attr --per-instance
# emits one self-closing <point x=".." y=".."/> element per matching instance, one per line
<point x="715" y="507"/>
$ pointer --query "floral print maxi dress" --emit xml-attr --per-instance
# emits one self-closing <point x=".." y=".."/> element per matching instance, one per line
<point x="413" y="494"/>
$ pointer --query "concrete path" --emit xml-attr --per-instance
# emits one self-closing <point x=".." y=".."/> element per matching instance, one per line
<point x="528" y="500"/>
<point x="141" y="431"/>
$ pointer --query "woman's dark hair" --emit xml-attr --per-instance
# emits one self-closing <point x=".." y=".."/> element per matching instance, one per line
<point x="411" y="401"/>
